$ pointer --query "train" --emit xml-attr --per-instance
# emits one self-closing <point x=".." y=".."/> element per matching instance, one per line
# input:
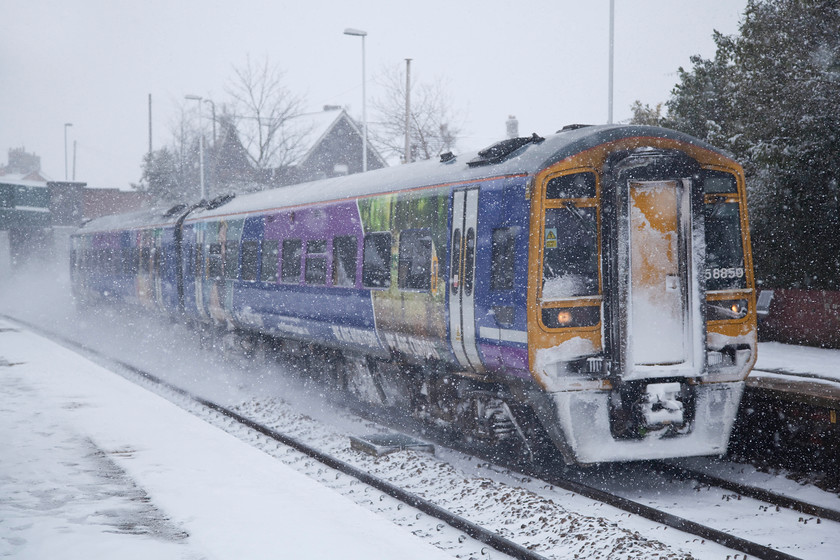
<point x="593" y="288"/>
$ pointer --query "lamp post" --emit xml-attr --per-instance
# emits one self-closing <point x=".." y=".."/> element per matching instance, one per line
<point x="215" y="157"/>
<point x="362" y="34"/>
<point x="200" y="145"/>
<point x="65" y="148"/>
<point x="612" y="51"/>
<point x="213" y="112"/>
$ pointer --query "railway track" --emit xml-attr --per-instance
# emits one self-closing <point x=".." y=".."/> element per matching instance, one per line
<point x="475" y="531"/>
<point x="774" y="498"/>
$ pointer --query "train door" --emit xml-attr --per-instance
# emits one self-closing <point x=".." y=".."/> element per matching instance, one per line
<point x="462" y="278"/>
<point x="661" y="333"/>
<point x="658" y="323"/>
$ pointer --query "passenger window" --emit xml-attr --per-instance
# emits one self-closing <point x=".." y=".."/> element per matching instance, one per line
<point x="214" y="261"/>
<point x="232" y="260"/>
<point x="270" y="260"/>
<point x="376" y="263"/>
<point x="249" y="261"/>
<point x="345" y="249"/>
<point x="316" y="262"/>
<point x="199" y="260"/>
<point x="292" y="252"/>
<point x="126" y="261"/>
<point x="503" y="251"/>
<point x="415" y="260"/>
<point x="576" y="185"/>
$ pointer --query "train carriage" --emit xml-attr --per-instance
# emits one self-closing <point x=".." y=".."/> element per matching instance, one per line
<point x="596" y="284"/>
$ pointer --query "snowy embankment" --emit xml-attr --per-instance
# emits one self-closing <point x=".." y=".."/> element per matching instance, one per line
<point x="96" y="467"/>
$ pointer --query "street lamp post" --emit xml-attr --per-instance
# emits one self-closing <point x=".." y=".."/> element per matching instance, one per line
<point x="362" y="34"/>
<point x="65" y="148"/>
<point x="612" y="51"/>
<point x="213" y="112"/>
<point x="200" y="145"/>
<point x="215" y="157"/>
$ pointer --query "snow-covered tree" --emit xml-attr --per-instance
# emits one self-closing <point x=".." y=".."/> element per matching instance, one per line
<point x="772" y="97"/>
<point x="161" y="178"/>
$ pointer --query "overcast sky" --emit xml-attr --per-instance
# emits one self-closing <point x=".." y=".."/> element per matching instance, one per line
<point x="93" y="63"/>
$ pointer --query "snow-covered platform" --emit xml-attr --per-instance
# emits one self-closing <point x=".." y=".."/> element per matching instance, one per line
<point x="802" y="373"/>
<point x="94" y="466"/>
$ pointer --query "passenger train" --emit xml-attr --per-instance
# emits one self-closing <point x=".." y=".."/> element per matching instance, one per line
<point x="594" y="287"/>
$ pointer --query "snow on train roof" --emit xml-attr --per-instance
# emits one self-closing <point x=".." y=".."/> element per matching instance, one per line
<point x="529" y="159"/>
<point x="139" y="219"/>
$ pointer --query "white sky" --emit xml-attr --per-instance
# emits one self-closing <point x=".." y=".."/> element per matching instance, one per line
<point x="94" y="62"/>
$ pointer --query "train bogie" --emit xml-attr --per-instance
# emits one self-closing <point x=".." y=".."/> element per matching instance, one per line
<point x="598" y="280"/>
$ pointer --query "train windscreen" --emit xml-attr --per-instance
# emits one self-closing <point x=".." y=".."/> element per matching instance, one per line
<point x="724" y="247"/>
<point x="570" y="261"/>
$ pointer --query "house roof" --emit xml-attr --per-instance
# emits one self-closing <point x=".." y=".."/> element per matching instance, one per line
<point x="32" y="179"/>
<point x="316" y="126"/>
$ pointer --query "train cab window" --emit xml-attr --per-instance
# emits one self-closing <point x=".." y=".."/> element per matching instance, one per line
<point x="576" y="185"/>
<point x="292" y="253"/>
<point x="724" y="244"/>
<point x="270" y="260"/>
<point x="415" y="260"/>
<point x="503" y="252"/>
<point x="231" y="259"/>
<point x="345" y="249"/>
<point x="570" y="256"/>
<point x="719" y="182"/>
<point x="214" y="261"/>
<point x="724" y="247"/>
<point x="376" y="262"/>
<point x="250" y="260"/>
<point x="315" y="271"/>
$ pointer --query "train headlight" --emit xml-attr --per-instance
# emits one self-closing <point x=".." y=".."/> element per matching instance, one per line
<point x="565" y="317"/>
<point x="727" y="310"/>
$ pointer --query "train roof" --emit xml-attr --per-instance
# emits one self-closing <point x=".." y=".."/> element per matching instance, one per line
<point x="523" y="157"/>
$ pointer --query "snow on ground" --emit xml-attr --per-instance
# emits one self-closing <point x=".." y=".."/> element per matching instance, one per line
<point x="96" y="467"/>
<point x="778" y="357"/>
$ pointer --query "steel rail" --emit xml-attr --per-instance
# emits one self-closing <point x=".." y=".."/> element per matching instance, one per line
<point x="761" y="494"/>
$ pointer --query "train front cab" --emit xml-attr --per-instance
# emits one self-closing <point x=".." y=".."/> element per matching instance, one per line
<point x="641" y="302"/>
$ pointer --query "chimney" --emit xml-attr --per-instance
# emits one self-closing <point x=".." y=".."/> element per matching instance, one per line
<point x="512" y="127"/>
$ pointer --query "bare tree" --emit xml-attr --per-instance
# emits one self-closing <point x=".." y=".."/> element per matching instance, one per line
<point x="262" y="107"/>
<point x="432" y="122"/>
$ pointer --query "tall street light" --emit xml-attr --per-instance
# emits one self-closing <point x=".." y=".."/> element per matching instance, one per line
<point x="362" y="34"/>
<point x="200" y="144"/>
<point x="65" y="148"/>
<point x="612" y="51"/>
<point x="215" y="157"/>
